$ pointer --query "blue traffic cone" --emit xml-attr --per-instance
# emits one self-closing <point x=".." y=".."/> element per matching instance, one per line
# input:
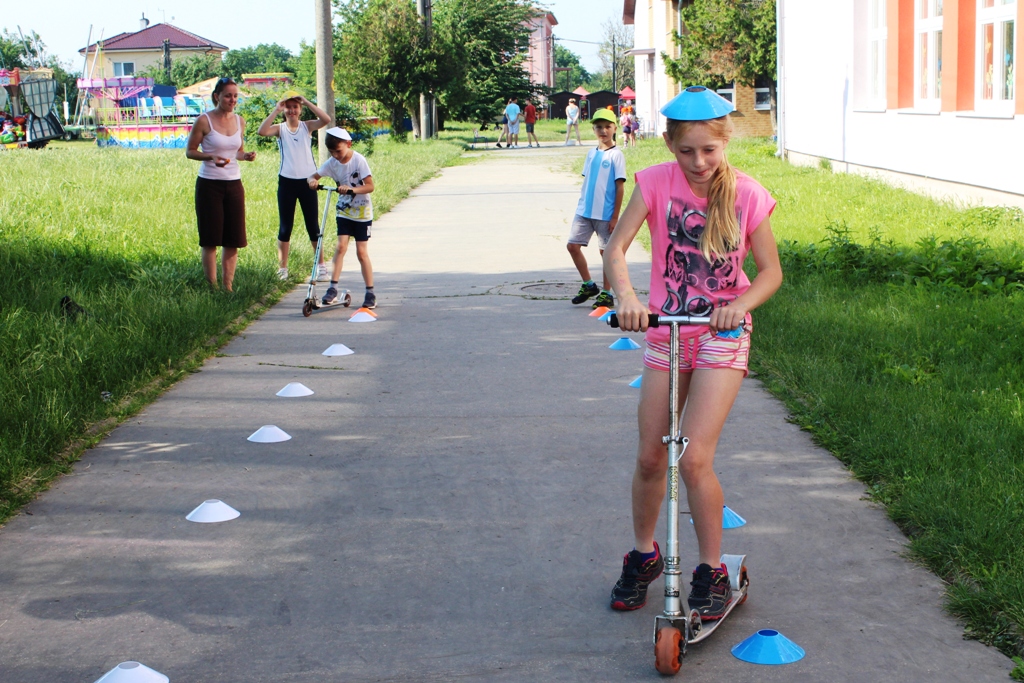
<point x="768" y="646"/>
<point x="624" y="344"/>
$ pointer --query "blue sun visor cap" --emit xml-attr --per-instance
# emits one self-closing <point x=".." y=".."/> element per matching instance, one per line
<point x="697" y="103"/>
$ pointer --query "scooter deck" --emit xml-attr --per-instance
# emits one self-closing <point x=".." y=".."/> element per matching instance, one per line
<point x="709" y="627"/>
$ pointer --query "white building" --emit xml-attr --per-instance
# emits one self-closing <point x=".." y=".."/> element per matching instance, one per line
<point x="924" y="92"/>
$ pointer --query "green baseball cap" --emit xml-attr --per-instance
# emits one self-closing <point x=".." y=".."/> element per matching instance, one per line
<point x="603" y="115"/>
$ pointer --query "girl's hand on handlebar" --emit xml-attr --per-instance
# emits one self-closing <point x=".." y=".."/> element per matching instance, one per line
<point x="632" y="314"/>
<point x="727" y="318"/>
<point x="313" y="183"/>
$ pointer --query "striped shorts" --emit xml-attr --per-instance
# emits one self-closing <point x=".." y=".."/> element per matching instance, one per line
<point x="704" y="350"/>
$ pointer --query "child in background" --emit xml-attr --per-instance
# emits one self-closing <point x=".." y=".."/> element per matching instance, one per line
<point x="704" y="217"/>
<point x="349" y="169"/>
<point x="293" y="140"/>
<point x="604" y="174"/>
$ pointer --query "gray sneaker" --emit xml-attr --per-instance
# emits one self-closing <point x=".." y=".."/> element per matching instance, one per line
<point x="331" y="296"/>
<point x="369" y="301"/>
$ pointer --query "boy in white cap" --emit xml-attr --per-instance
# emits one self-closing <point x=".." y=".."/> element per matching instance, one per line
<point x="350" y="171"/>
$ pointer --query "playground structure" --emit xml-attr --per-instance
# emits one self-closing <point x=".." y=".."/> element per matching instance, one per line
<point x="34" y="124"/>
<point x="136" y="122"/>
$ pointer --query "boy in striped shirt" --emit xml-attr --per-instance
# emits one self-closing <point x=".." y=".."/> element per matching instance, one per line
<point x="604" y="174"/>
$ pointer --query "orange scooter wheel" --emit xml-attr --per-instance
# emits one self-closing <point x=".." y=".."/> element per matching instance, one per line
<point x="667" y="651"/>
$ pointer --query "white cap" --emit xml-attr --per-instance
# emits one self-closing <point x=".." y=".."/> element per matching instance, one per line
<point x="339" y="133"/>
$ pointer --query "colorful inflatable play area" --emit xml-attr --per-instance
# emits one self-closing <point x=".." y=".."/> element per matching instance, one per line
<point x="131" y="112"/>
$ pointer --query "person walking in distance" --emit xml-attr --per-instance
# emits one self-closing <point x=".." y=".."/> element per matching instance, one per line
<point x="512" y="114"/>
<point x="704" y="218"/>
<point x="293" y="140"/>
<point x="348" y="168"/>
<point x="216" y="140"/>
<point x="530" y="115"/>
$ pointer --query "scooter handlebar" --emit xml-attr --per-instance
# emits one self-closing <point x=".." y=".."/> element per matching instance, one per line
<point x="655" y="320"/>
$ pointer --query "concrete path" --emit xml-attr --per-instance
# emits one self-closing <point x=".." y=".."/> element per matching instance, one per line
<point x="453" y="504"/>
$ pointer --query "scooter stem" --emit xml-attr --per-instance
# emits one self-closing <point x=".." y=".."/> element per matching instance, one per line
<point x="676" y="448"/>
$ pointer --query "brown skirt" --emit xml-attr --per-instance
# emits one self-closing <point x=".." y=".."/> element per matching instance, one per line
<point x="220" y="213"/>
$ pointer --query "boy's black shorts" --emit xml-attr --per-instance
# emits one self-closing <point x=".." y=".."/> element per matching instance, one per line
<point x="360" y="230"/>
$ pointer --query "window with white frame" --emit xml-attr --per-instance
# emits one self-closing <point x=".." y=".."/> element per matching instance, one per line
<point x="877" y="35"/>
<point x="728" y="93"/>
<point x="762" y="98"/>
<point x="124" y="69"/>
<point x="928" y="54"/>
<point x="996" y="59"/>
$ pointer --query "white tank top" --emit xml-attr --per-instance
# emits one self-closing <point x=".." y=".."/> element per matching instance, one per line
<point x="296" y="153"/>
<point x="220" y="145"/>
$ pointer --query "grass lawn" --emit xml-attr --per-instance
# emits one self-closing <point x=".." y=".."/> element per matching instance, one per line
<point x="115" y="230"/>
<point x="897" y="340"/>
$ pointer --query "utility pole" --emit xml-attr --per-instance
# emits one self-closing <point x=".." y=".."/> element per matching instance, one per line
<point x="324" y="68"/>
<point x="614" y="89"/>
<point x="424" y="8"/>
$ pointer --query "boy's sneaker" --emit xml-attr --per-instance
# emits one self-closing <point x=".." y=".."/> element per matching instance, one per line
<point x="331" y="296"/>
<point x="710" y="592"/>
<point x="282" y="273"/>
<point x="604" y="299"/>
<point x="630" y="591"/>
<point x="499" y="145"/>
<point x="321" y="273"/>
<point x="370" y="300"/>
<point x="586" y="291"/>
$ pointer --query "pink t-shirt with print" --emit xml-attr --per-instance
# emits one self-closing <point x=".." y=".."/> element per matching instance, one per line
<point x="682" y="280"/>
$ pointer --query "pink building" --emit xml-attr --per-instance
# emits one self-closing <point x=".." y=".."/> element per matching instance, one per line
<point x="541" y="60"/>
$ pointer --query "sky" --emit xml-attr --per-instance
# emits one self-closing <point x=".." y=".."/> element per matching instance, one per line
<point x="63" y="25"/>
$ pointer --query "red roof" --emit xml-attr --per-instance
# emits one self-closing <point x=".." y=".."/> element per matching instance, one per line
<point x="152" y="38"/>
<point x="627" y="93"/>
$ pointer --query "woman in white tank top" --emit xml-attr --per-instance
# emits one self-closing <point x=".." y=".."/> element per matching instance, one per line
<point x="293" y="139"/>
<point x="220" y="198"/>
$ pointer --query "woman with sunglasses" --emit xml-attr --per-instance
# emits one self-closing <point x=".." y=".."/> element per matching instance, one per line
<point x="217" y="141"/>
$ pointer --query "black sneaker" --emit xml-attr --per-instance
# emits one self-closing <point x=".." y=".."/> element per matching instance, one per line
<point x="586" y="291"/>
<point x="330" y="296"/>
<point x="370" y="300"/>
<point x="604" y="299"/>
<point x="630" y="591"/>
<point x="710" y="591"/>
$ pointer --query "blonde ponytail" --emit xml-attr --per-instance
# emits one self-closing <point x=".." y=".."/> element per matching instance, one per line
<point x="722" y="228"/>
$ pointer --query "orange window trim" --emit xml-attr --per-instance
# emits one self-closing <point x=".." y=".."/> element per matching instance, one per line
<point x="900" y="54"/>
<point x="1018" y="87"/>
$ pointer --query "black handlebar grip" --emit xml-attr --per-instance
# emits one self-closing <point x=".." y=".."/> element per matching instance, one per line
<point x="652" y="320"/>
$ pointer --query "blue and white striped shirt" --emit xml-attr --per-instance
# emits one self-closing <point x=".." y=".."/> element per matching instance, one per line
<point x="600" y="171"/>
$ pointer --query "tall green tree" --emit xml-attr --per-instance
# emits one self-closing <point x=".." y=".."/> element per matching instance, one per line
<point x="190" y="70"/>
<point x="478" y="52"/>
<point x="725" y="41"/>
<point x="577" y="74"/>
<point x="618" y="38"/>
<point x="381" y="55"/>
<point x="262" y="58"/>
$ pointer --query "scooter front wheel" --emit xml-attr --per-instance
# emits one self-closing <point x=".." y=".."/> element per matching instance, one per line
<point x="307" y="308"/>
<point x="668" y="651"/>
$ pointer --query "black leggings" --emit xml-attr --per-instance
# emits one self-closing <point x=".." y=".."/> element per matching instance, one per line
<point x="288" y="190"/>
